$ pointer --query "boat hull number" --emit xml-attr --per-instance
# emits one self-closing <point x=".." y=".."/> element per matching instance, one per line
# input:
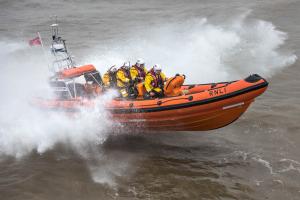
<point x="217" y="92"/>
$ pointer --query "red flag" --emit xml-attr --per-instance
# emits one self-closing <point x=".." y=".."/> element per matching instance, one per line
<point x="35" y="41"/>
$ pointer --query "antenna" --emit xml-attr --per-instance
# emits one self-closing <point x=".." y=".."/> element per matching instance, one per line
<point x="61" y="58"/>
<point x="54" y="29"/>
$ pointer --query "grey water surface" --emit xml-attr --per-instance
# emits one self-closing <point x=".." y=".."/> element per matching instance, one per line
<point x="257" y="157"/>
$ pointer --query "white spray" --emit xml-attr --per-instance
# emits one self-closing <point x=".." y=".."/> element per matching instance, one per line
<point x="24" y="128"/>
<point x="203" y="51"/>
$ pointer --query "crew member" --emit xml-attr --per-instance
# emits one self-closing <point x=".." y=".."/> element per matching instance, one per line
<point x="110" y="77"/>
<point x="138" y="71"/>
<point x="154" y="82"/>
<point x="124" y="81"/>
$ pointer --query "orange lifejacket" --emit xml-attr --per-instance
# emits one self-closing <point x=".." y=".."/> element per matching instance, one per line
<point x="173" y="86"/>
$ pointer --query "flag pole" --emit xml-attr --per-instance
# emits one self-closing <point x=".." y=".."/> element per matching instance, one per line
<point x="44" y="52"/>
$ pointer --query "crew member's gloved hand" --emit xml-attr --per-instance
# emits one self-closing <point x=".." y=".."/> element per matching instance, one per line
<point x="152" y="94"/>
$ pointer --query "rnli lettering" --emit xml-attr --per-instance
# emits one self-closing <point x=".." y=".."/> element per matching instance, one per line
<point x="218" y="91"/>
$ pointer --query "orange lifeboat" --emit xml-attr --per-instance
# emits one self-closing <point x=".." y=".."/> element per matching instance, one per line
<point x="201" y="107"/>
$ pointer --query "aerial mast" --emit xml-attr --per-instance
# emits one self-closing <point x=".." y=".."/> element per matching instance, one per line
<point x="63" y="59"/>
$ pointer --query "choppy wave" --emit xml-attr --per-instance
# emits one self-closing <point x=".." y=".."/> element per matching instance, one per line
<point x="204" y="51"/>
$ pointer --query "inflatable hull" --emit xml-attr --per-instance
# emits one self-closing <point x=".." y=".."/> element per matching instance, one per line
<point x="204" y="107"/>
